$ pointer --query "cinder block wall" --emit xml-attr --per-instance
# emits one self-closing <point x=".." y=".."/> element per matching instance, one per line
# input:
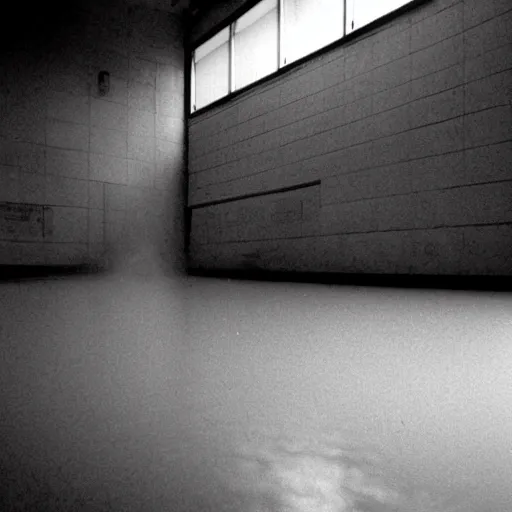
<point x="108" y="170"/>
<point x="403" y="138"/>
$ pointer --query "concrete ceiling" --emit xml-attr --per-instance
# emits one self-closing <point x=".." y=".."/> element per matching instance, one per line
<point x="192" y="7"/>
<point x="176" y="6"/>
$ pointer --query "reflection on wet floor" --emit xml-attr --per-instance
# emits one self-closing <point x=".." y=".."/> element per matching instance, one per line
<point x="307" y="475"/>
<point x="314" y="397"/>
<point x="153" y="393"/>
<point x="322" y="474"/>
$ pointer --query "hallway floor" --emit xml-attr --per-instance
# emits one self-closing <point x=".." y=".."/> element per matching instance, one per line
<point x="154" y="393"/>
<point x="420" y="377"/>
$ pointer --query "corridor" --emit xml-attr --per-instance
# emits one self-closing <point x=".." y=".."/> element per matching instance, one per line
<point x="157" y="393"/>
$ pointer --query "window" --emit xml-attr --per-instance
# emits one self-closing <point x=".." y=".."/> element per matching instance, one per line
<point x="273" y="34"/>
<point x="310" y="25"/>
<point x="256" y="44"/>
<point x="362" y="12"/>
<point x="211" y="70"/>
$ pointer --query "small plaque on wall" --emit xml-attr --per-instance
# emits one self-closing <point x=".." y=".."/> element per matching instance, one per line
<point x="21" y="222"/>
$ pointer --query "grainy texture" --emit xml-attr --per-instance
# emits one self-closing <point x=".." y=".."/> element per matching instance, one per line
<point x="409" y="130"/>
<point x="62" y="143"/>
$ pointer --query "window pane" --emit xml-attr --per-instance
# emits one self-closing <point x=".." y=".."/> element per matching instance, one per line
<point x="212" y="69"/>
<point x="256" y="43"/>
<point x="310" y="25"/>
<point x="362" y="12"/>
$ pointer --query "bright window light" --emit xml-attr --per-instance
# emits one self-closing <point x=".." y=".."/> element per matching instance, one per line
<point x="272" y="34"/>
<point x="211" y="63"/>
<point x="255" y="44"/>
<point x="362" y="12"/>
<point x="310" y="25"/>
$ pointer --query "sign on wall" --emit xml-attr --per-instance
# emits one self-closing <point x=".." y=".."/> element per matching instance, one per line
<point x="24" y="222"/>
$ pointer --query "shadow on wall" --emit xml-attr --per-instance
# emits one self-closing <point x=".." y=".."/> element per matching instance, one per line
<point x="37" y="25"/>
<point x="46" y="48"/>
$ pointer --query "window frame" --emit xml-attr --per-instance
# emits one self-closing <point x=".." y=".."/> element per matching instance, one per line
<point x="235" y="28"/>
<point x="283" y="67"/>
<point x="342" y="24"/>
<point x="193" y="65"/>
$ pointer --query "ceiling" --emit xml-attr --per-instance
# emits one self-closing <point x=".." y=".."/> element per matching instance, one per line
<point x="177" y="6"/>
<point x="193" y="7"/>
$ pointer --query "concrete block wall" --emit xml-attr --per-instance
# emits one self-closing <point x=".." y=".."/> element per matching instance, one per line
<point x="408" y="129"/>
<point x="108" y="170"/>
<point x="287" y="216"/>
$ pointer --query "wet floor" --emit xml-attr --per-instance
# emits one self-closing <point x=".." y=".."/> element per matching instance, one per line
<point x="153" y="393"/>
